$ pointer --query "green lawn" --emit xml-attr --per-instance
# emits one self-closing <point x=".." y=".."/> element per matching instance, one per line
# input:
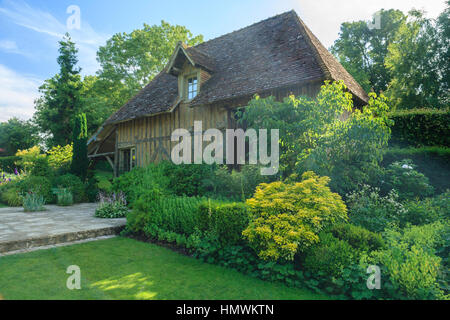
<point x="122" y="268"/>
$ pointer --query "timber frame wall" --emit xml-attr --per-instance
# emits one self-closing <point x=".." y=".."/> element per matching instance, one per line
<point x="151" y="136"/>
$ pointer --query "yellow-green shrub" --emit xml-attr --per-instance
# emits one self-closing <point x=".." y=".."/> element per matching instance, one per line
<point x="60" y="157"/>
<point x="287" y="216"/>
<point x="28" y="157"/>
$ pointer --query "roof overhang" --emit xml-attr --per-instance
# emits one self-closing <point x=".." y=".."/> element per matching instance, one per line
<point x="174" y="67"/>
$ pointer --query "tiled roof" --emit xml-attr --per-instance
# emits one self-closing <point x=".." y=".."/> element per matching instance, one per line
<point x="274" y="53"/>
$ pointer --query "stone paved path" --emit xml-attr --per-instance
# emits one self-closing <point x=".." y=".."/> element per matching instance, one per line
<point x="17" y="225"/>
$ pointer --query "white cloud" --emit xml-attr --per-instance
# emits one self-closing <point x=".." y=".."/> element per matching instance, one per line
<point x="86" y="38"/>
<point x="17" y="94"/>
<point x="324" y="17"/>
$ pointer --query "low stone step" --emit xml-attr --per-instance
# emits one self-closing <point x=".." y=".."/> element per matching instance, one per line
<point x="58" y="239"/>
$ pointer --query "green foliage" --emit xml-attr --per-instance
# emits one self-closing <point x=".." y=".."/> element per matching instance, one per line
<point x="11" y="196"/>
<point x="368" y="209"/>
<point x="421" y="127"/>
<point x="64" y="197"/>
<point x="186" y="179"/>
<point x="16" y="134"/>
<point x="73" y="184"/>
<point x="287" y="217"/>
<point x="408" y="182"/>
<point x="33" y="201"/>
<point x="60" y="157"/>
<point x="362" y="51"/>
<point x="38" y="186"/>
<point x="60" y="100"/>
<point x="412" y="62"/>
<point x="80" y="161"/>
<point x="129" y="61"/>
<point x="175" y="214"/>
<point x="139" y="217"/>
<point x="41" y="168"/>
<point x="140" y="180"/>
<point x="313" y="136"/>
<point x="28" y="157"/>
<point x="329" y="257"/>
<point x="224" y="221"/>
<point x="431" y="161"/>
<point x="8" y="164"/>
<point x="411" y="260"/>
<point x="351" y="150"/>
<point x="359" y="238"/>
<point x="111" y="210"/>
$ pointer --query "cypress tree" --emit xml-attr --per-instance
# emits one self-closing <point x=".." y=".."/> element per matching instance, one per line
<point x="80" y="159"/>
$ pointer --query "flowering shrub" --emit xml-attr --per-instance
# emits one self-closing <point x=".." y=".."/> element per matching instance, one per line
<point x="374" y="212"/>
<point x="287" y="216"/>
<point x="111" y="206"/>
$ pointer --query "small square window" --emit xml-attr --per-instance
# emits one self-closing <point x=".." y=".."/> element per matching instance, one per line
<point x="192" y="88"/>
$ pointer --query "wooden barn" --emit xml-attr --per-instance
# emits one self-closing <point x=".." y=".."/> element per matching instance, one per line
<point x="278" y="56"/>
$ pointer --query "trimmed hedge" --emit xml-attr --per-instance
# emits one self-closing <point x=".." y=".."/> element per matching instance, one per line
<point x="421" y="127"/>
<point x="433" y="162"/>
<point x="7" y="164"/>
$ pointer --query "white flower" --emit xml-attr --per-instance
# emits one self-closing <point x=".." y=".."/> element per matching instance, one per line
<point x="405" y="166"/>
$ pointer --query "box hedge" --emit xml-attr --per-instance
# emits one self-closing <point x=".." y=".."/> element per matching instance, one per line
<point x="421" y="127"/>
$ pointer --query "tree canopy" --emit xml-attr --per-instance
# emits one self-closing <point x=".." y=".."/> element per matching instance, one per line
<point x="17" y="134"/>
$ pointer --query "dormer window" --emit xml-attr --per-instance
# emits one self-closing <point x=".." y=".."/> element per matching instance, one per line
<point x="192" y="87"/>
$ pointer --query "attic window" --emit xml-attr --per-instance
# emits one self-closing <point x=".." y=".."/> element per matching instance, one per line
<point x="192" y="88"/>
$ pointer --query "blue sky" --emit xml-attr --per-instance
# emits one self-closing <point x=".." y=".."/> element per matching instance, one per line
<point x="30" y="30"/>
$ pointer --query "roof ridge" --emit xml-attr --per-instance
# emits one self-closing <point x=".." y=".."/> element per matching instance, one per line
<point x="247" y="27"/>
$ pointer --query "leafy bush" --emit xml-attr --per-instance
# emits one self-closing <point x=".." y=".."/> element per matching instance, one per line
<point x="41" y="168"/>
<point x="28" y="157"/>
<point x="408" y="182"/>
<point x="287" y="217"/>
<point x="60" y="157"/>
<point x="38" y="185"/>
<point x="187" y="179"/>
<point x="359" y="238"/>
<point x="374" y="212"/>
<point x="421" y="127"/>
<point x="174" y="214"/>
<point x="225" y="221"/>
<point x="329" y="257"/>
<point x="139" y="217"/>
<point x="33" y="202"/>
<point x="9" y="164"/>
<point x="420" y="212"/>
<point x="64" y="197"/>
<point x="112" y="206"/>
<point x="411" y="259"/>
<point x="12" y="197"/>
<point x="72" y="183"/>
<point x="139" y="180"/>
<point x="431" y="161"/>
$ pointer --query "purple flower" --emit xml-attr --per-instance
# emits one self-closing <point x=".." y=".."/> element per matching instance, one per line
<point x="16" y="172"/>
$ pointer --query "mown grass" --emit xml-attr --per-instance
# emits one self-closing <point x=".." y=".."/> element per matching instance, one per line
<point x="122" y="268"/>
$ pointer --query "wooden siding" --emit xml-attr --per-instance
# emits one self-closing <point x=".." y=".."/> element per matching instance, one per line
<point x="151" y="136"/>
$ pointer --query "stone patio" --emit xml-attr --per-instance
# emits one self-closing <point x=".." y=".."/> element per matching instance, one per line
<point x="21" y="231"/>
